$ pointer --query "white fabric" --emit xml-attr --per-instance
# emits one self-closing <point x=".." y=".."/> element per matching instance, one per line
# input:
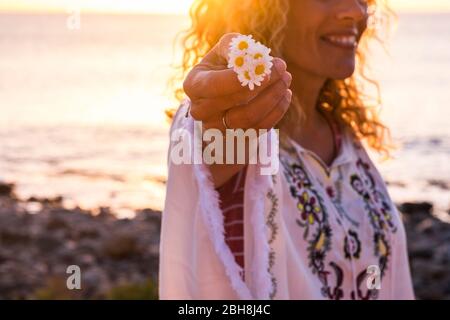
<point x="286" y="256"/>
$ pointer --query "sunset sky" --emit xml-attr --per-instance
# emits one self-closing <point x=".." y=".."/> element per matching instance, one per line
<point x="167" y="6"/>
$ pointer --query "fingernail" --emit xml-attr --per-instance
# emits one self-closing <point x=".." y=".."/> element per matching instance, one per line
<point x="289" y="94"/>
<point x="280" y="66"/>
<point x="287" y="79"/>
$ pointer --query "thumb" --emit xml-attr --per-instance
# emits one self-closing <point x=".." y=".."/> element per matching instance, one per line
<point x="220" y="52"/>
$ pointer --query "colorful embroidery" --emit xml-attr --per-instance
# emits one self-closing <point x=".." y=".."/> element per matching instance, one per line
<point x="271" y="217"/>
<point x="314" y="220"/>
<point x="310" y="211"/>
<point x="273" y="233"/>
<point x="335" y="195"/>
<point x="378" y="210"/>
<point x="361" y="281"/>
<point x="317" y="231"/>
<point x="337" y="293"/>
<point x="352" y="245"/>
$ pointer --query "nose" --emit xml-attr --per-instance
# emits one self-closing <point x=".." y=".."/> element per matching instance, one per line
<point x="355" y="10"/>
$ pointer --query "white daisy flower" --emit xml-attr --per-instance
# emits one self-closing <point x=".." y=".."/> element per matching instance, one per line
<point x="250" y="59"/>
<point x="262" y="61"/>
<point x="261" y="68"/>
<point x="242" y="43"/>
<point x="237" y="60"/>
<point x="259" y="51"/>
<point x="248" y="78"/>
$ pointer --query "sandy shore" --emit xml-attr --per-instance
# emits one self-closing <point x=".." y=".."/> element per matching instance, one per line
<point x="119" y="257"/>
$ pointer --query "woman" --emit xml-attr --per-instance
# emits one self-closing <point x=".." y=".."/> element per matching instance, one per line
<point x="321" y="227"/>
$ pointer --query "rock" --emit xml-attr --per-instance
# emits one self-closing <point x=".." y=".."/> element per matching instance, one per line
<point x="48" y="243"/>
<point x="36" y="249"/>
<point x="121" y="246"/>
<point x="88" y="232"/>
<point x="439" y="184"/>
<point x="398" y="184"/>
<point x="420" y="248"/>
<point x="442" y="254"/>
<point x="87" y="259"/>
<point x="416" y="207"/>
<point x="429" y="250"/>
<point x="104" y="212"/>
<point x="54" y="200"/>
<point x="430" y="294"/>
<point x="12" y="237"/>
<point x="56" y="223"/>
<point x="149" y="215"/>
<point x="6" y="189"/>
<point x="426" y="226"/>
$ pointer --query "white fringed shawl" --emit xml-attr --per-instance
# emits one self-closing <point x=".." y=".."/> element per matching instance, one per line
<point x="191" y="210"/>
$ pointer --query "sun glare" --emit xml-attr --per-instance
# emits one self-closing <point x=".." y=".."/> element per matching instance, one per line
<point x="167" y="6"/>
<point x="108" y="6"/>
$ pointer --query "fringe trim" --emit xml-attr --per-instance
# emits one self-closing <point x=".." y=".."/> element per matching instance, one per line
<point x="214" y="221"/>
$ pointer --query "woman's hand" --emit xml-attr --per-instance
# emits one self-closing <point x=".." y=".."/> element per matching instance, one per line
<point x="217" y="97"/>
<point x="215" y="92"/>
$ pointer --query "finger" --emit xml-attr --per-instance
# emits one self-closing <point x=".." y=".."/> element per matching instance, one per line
<point x="205" y="109"/>
<point x="222" y="49"/>
<point x="211" y="78"/>
<point x="207" y="83"/>
<point x="251" y="114"/>
<point x="277" y="113"/>
<point x="203" y="82"/>
<point x="274" y="115"/>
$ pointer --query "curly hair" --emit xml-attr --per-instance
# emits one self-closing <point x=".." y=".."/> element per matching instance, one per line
<point x="347" y="100"/>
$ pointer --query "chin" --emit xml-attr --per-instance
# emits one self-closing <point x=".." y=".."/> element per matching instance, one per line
<point x="342" y="71"/>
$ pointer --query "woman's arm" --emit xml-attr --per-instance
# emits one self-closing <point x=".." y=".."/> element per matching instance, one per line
<point x="215" y="92"/>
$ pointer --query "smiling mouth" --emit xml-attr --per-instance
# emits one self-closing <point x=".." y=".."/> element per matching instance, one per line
<point x="342" y="41"/>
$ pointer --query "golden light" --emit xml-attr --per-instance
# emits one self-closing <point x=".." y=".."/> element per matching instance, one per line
<point x="421" y="5"/>
<point x="107" y="6"/>
<point x="168" y="6"/>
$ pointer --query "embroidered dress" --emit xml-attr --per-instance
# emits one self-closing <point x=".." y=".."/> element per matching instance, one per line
<point x="311" y="231"/>
<point x="231" y="202"/>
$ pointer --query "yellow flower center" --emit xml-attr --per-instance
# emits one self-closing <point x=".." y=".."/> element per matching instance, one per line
<point x="382" y="248"/>
<point x="243" y="45"/>
<point x="320" y="243"/>
<point x="258" y="55"/>
<point x="247" y="75"/>
<point x="239" y="61"/>
<point x="259" y="70"/>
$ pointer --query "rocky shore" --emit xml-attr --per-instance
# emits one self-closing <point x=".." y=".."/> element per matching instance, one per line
<point x="118" y="258"/>
<point x="429" y="251"/>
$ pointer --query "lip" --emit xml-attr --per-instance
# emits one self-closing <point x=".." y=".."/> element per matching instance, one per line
<point x="343" y="39"/>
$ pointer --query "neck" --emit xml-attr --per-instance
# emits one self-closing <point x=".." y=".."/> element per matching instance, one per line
<point x="306" y="87"/>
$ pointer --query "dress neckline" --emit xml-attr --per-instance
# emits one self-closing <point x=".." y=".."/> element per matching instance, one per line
<point x="344" y="153"/>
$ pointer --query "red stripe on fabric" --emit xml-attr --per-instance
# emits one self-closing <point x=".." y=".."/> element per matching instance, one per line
<point x="234" y="230"/>
<point x="236" y="246"/>
<point x="232" y="205"/>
